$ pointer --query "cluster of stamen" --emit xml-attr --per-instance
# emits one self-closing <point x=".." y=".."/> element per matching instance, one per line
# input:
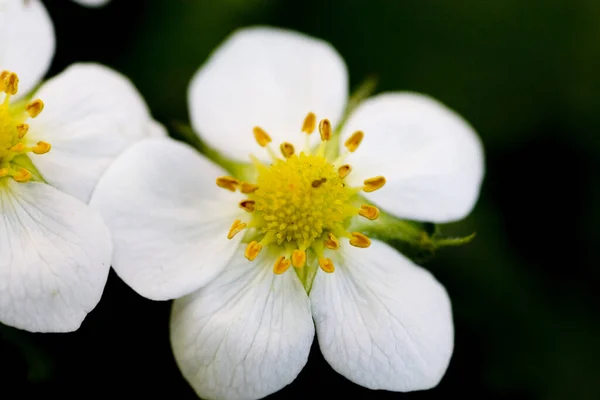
<point x="13" y="130"/>
<point x="301" y="202"/>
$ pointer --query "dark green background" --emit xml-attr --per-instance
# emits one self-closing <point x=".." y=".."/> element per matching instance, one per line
<point x="525" y="292"/>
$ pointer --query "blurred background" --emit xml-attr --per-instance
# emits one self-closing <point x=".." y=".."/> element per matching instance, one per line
<point x="524" y="292"/>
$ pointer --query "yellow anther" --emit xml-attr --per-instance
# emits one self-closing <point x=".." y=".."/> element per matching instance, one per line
<point x="369" y="212"/>
<point x="298" y="258"/>
<point x="246" y="187"/>
<point x="325" y="129"/>
<point x="287" y="149"/>
<point x="35" y="108"/>
<point x="22" y="129"/>
<point x="236" y="228"/>
<point x="372" y="184"/>
<point x="326" y="265"/>
<point x="309" y="124"/>
<point x="228" y="182"/>
<point x="248" y="205"/>
<point x="354" y="141"/>
<point x="344" y="170"/>
<point x="331" y="242"/>
<point x="18" y="148"/>
<point x="3" y="76"/>
<point x="360" y="240"/>
<point x="281" y="265"/>
<point x="22" y="175"/>
<point x="41" y="148"/>
<point x="252" y="250"/>
<point x="3" y="172"/>
<point x="261" y="136"/>
<point x="11" y="82"/>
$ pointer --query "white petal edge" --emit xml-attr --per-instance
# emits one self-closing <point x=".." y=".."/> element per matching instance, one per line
<point x="55" y="258"/>
<point x="265" y="77"/>
<point x="91" y="115"/>
<point x="245" y="335"/>
<point x="92" y="3"/>
<point x="383" y="322"/>
<point x="168" y="218"/>
<point x="28" y="41"/>
<point x="431" y="157"/>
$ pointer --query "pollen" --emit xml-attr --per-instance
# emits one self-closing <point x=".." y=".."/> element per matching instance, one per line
<point x="299" y="206"/>
<point x="15" y="146"/>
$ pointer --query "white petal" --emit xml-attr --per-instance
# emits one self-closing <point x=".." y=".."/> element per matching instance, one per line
<point x="55" y="258"/>
<point x="26" y="41"/>
<point x="91" y="115"/>
<point x="168" y="218"/>
<point x="431" y="157"/>
<point x="383" y="322"/>
<point x="245" y="335"/>
<point x="267" y="77"/>
<point x="92" y="3"/>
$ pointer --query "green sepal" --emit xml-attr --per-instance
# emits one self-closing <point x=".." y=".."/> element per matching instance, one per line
<point x="417" y="240"/>
<point x="23" y="161"/>
<point x="240" y="170"/>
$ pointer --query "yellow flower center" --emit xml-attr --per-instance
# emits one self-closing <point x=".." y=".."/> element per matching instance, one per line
<point x="300" y="203"/>
<point x="14" y="145"/>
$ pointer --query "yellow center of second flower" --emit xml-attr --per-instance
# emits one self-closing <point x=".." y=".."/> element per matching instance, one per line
<point x="300" y="202"/>
<point x="14" y="147"/>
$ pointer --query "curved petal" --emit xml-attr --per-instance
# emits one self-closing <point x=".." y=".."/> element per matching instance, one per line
<point x="431" y="157"/>
<point x="168" y="219"/>
<point x="55" y="258"/>
<point x="383" y="322"/>
<point x="92" y="3"/>
<point x="28" y="41"/>
<point x="91" y="115"/>
<point x="245" y="335"/>
<point x="270" y="78"/>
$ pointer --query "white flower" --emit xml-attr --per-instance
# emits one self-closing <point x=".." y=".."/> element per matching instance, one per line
<point x="92" y="3"/>
<point x="382" y="321"/>
<point x="54" y="146"/>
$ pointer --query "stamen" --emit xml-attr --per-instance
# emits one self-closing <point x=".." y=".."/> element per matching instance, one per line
<point x="18" y="148"/>
<point x="236" y="228"/>
<point x="326" y="265"/>
<point x="252" y="250"/>
<point x="22" y="175"/>
<point x="287" y="149"/>
<point x="360" y="240"/>
<point x="298" y="258"/>
<point x="3" y="172"/>
<point x="11" y="83"/>
<point x="344" y="170"/>
<point x="3" y="76"/>
<point x="281" y="265"/>
<point x="262" y="137"/>
<point x="369" y="212"/>
<point x="331" y="242"/>
<point x="248" y="188"/>
<point x="309" y="124"/>
<point x="228" y="182"/>
<point x="354" y="141"/>
<point x="22" y="129"/>
<point x="41" y="148"/>
<point x="248" y="205"/>
<point x="325" y="129"/>
<point x="35" y="108"/>
<point x="372" y="184"/>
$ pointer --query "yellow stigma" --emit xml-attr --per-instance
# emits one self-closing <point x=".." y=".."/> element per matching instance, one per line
<point x="14" y="143"/>
<point x="299" y="208"/>
<point x="300" y="199"/>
